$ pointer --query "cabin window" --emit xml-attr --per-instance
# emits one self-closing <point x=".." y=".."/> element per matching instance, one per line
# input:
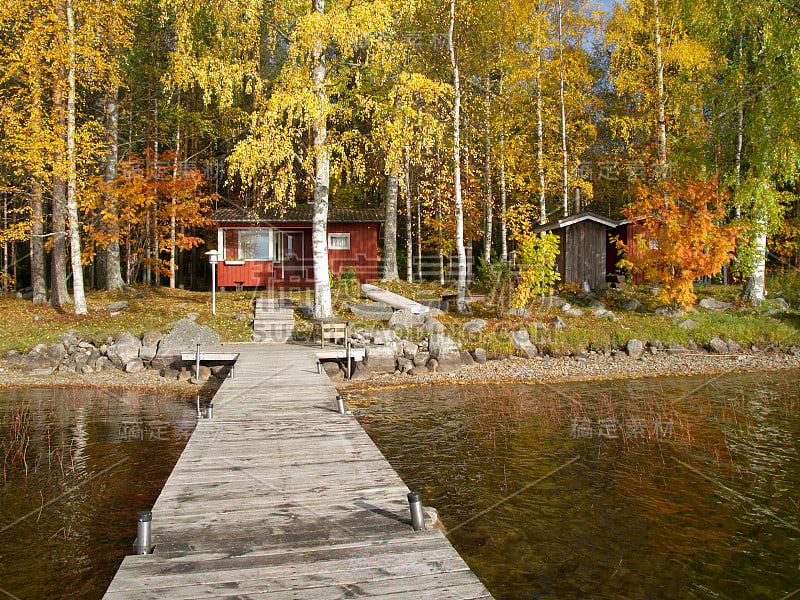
<point x="253" y="243"/>
<point x="339" y="241"/>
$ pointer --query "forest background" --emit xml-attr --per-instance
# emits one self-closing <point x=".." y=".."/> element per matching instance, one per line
<point x="123" y="123"/>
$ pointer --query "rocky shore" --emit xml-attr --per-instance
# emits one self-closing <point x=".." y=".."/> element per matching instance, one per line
<point x="150" y="361"/>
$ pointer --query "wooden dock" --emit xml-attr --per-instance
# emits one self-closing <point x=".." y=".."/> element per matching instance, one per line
<point x="280" y="496"/>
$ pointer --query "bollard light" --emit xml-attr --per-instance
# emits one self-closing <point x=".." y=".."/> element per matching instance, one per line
<point x="210" y="411"/>
<point x="143" y="538"/>
<point x="340" y="404"/>
<point x="213" y="258"/>
<point x="415" y="505"/>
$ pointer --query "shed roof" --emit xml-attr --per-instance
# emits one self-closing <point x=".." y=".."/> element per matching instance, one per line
<point x="297" y="214"/>
<point x="577" y="218"/>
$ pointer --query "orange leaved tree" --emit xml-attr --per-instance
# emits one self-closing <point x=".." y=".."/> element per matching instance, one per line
<point x="681" y="235"/>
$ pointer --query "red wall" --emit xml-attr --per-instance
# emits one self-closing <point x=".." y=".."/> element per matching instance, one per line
<point x="363" y="254"/>
<point x="362" y="257"/>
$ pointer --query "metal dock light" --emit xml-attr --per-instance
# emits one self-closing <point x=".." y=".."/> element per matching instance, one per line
<point x="415" y="505"/>
<point x="340" y="404"/>
<point x="143" y="544"/>
<point x="210" y="411"/>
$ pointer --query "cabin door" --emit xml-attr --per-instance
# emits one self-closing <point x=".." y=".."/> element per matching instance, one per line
<point x="292" y="253"/>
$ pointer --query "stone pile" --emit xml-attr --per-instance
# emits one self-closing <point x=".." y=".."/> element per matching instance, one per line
<point x="124" y="352"/>
<point x="386" y="352"/>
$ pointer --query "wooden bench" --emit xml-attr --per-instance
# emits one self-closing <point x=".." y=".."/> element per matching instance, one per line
<point x="331" y="328"/>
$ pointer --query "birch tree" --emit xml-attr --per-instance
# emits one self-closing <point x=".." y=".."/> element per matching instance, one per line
<point x="461" y="285"/>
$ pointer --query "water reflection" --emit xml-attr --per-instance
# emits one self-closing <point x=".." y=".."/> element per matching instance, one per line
<point x="682" y="487"/>
<point x="77" y="465"/>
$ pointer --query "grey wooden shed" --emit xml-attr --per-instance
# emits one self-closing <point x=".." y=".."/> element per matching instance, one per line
<point x="583" y="239"/>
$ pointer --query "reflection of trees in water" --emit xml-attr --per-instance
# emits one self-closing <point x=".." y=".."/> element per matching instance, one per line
<point x="46" y="432"/>
<point x="637" y="513"/>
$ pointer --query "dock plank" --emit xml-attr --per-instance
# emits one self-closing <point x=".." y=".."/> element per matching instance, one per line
<point x="280" y="496"/>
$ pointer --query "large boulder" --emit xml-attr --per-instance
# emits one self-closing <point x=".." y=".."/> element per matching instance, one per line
<point x="124" y="349"/>
<point x="782" y="304"/>
<point x="519" y="312"/>
<point x="668" y="311"/>
<point x="552" y="302"/>
<point x="437" y="305"/>
<point x="373" y="311"/>
<point x="718" y="345"/>
<point x="381" y="359"/>
<point x="56" y="352"/>
<point x="34" y="361"/>
<point x="632" y="304"/>
<point x="134" y="366"/>
<point x="383" y="336"/>
<point x="480" y="356"/>
<point x="688" y="324"/>
<point x="147" y="353"/>
<point x="405" y="319"/>
<point x="444" y="351"/>
<point x="475" y="326"/>
<point x="183" y="337"/>
<point x="432" y="325"/>
<point x="522" y="342"/>
<point x="634" y="348"/>
<point x="674" y="348"/>
<point x="121" y="305"/>
<point x="151" y="338"/>
<point x="714" y="304"/>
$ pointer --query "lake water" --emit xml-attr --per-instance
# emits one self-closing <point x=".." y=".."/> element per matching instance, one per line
<point x="685" y="487"/>
<point x="77" y="467"/>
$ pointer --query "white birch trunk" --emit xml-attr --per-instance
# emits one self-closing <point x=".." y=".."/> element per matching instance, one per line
<point x="409" y="217"/>
<point x="37" y="246"/>
<point x="488" y="214"/>
<point x="461" y="305"/>
<point x="565" y="183"/>
<point x="754" y="289"/>
<point x="540" y="125"/>
<point x="739" y="139"/>
<point x="419" y="240"/>
<point x="662" y="119"/>
<point x="319" y="243"/>
<point x="390" y="272"/>
<point x="503" y="206"/>
<point x="113" y="269"/>
<point x="172" y="233"/>
<point x="72" y="180"/>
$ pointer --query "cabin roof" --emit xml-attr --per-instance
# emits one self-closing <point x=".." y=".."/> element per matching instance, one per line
<point x="297" y="214"/>
<point x="577" y="218"/>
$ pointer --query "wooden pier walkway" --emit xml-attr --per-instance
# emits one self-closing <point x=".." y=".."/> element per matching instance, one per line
<point x="280" y="496"/>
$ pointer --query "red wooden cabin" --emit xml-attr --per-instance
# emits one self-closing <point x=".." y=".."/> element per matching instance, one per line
<point x="273" y="250"/>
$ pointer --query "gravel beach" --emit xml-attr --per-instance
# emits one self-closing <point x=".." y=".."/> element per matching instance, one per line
<point x="591" y="367"/>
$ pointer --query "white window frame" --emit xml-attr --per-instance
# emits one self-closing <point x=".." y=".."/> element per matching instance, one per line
<point x="221" y="243"/>
<point x="339" y="236"/>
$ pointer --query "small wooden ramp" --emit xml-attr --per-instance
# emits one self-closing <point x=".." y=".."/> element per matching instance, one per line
<point x="273" y="320"/>
<point x="279" y="496"/>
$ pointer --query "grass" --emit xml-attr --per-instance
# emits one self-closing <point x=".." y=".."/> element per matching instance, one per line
<point x="25" y="325"/>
